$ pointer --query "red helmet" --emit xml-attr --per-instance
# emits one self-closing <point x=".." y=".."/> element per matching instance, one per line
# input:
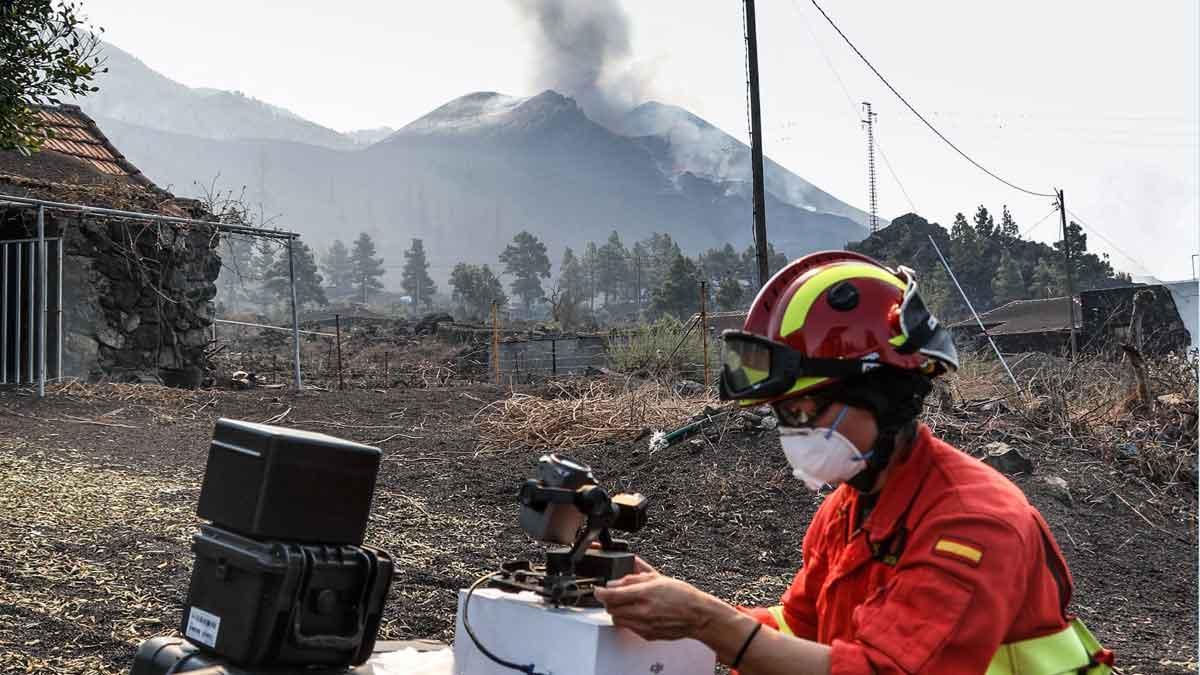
<point x="828" y="316"/>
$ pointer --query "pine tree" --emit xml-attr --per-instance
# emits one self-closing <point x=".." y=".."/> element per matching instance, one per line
<point x="367" y="268"/>
<point x="679" y="295"/>
<point x="237" y="270"/>
<point x="1008" y="227"/>
<point x="339" y="272"/>
<point x="591" y="262"/>
<point x="730" y="295"/>
<point x="526" y="260"/>
<point x="569" y="290"/>
<point x="1047" y="280"/>
<point x="720" y="263"/>
<point x="985" y="225"/>
<point x="415" y="279"/>
<point x="476" y="288"/>
<point x="612" y="267"/>
<point x="265" y="251"/>
<point x="308" y="279"/>
<point x="1008" y="285"/>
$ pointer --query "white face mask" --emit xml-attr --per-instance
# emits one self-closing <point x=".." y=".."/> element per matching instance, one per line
<point x="821" y="456"/>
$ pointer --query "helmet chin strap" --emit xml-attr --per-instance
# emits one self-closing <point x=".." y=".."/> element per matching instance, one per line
<point x="895" y="405"/>
<point x="881" y="455"/>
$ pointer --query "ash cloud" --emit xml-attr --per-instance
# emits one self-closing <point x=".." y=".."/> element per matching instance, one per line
<point x="583" y="50"/>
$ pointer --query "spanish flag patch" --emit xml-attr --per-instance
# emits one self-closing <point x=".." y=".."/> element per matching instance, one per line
<point x="959" y="549"/>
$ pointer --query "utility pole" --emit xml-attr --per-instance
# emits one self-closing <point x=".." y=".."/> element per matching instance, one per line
<point x="756" y="146"/>
<point x="1062" y="213"/>
<point x="869" y="123"/>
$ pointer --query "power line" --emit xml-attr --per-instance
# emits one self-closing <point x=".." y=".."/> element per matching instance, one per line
<point x="1116" y="248"/>
<point x="1041" y="220"/>
<point x="919" y="115"/>
<point x="850" y="101"/>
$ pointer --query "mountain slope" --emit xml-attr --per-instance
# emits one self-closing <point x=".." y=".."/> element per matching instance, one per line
<point x="133" y="93"/>
<point x="699" y="147"/>
<point x="473" y="173"/>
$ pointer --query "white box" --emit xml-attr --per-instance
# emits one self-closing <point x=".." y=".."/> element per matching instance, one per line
<point x="521" y="628"/>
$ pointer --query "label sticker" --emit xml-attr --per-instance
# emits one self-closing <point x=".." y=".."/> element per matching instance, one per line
<point x="203" y="627"/>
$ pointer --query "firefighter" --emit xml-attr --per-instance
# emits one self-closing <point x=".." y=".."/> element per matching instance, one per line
<point x="923" y="560"/>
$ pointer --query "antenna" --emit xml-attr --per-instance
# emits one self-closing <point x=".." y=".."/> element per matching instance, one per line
<point x="869" y="123"/>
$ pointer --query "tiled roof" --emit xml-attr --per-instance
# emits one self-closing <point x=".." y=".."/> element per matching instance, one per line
<point x="1025" y="316"/>
<point x="72" y="133"/>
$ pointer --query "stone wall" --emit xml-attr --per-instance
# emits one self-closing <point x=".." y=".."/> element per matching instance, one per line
<point x="137" y="297"/>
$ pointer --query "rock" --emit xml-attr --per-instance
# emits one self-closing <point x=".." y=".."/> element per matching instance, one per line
<point x="1173" y="399"/>
<point x="109" y="336"/>
<point x="130" y="322"/>
<point x="1127" y="450"/>
<point x="1006" y="459"/>
<point x="750" y="418"/>
<point x="1059" y="489"/>
<point x="770" y="422"/>
<point x="429" y="323"/>
<point x="688" y="388"/>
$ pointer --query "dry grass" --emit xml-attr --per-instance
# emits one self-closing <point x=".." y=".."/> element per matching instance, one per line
<point x="582" y="414"/>
<point x="1092" y="404"/>
<point x="82" y="575"/>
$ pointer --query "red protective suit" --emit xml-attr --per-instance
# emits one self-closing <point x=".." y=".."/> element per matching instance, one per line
<point x="951" y="563"/>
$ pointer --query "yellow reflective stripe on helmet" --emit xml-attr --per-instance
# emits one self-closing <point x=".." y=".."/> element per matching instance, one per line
<point x="806" y="295"/>
<point x="776" y="613"/>
<point x="1066" y="651"/>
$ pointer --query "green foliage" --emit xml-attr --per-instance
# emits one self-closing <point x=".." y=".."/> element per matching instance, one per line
<point x="367" y="268"/>
<point x="526" y="260"/>
<point x="476" y="287"/>
<point x="339" y="271"/>
<point x="415" y="279"/>
<point x="679" y="294"/>
<point x="993" y="264"/>
<point x="730" y="295"/>
<point x="612" y="267"/>
<point x="1007" y="284"/>
<point x="1048" y="280"/>
<point x="45" y="54"/>
<point x="660" y="348"/>
<point x="308" y="281"/>
<point x="569" y="292"/>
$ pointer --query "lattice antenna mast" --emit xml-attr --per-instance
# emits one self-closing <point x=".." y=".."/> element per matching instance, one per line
<point x="869" y="124"/>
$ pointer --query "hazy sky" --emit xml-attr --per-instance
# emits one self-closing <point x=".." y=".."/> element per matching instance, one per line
<point x="1101" y="99"/>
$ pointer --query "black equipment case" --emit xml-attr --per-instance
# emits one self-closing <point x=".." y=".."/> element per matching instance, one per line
<point x="272" y="483"/>
<point x="282" y="603"/>
<point x="167" y="655"/>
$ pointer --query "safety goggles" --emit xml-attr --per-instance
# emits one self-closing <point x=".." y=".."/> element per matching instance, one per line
<point x="754" y="367"/>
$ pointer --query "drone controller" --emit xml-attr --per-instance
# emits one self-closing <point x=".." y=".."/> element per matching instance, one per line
<point x="566" y="506"/>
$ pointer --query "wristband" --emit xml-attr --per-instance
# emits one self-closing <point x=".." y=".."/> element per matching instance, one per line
<point x="745" y="645"/>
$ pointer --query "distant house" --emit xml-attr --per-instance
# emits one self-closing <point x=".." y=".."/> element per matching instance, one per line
<point x="1165" y="321"/>
<point x="1021" y="326"/>
<point x="125" y="297"/>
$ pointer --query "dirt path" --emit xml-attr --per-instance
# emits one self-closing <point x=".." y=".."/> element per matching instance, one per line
<point x="97" y="502"/>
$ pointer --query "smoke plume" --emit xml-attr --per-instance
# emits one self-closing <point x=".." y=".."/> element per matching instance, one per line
<point x="583" y="48"/>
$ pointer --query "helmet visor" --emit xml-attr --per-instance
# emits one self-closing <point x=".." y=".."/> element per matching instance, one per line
<point x="753" y="367"/>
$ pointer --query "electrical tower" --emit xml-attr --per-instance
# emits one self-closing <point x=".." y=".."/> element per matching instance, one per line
<point x="869" y="123"/>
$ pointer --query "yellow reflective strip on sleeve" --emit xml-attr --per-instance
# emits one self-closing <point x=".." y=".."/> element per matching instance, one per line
<point x="1063" y="652"/>
<point x="776" y="613"/>
<point x="948" y="546"/>
<point x="802" y="302"/>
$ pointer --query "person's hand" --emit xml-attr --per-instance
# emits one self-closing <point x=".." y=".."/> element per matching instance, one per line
<point x="656" y="607"/>
<point x="642" y="567"/>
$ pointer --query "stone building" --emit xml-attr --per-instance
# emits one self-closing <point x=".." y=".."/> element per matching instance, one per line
<point x="128" y="298"/>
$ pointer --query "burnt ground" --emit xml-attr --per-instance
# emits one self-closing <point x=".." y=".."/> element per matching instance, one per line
<point x="97" y="499"/>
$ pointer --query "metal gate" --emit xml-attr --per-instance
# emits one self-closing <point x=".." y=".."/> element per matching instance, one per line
<point x="31" y="330"/>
